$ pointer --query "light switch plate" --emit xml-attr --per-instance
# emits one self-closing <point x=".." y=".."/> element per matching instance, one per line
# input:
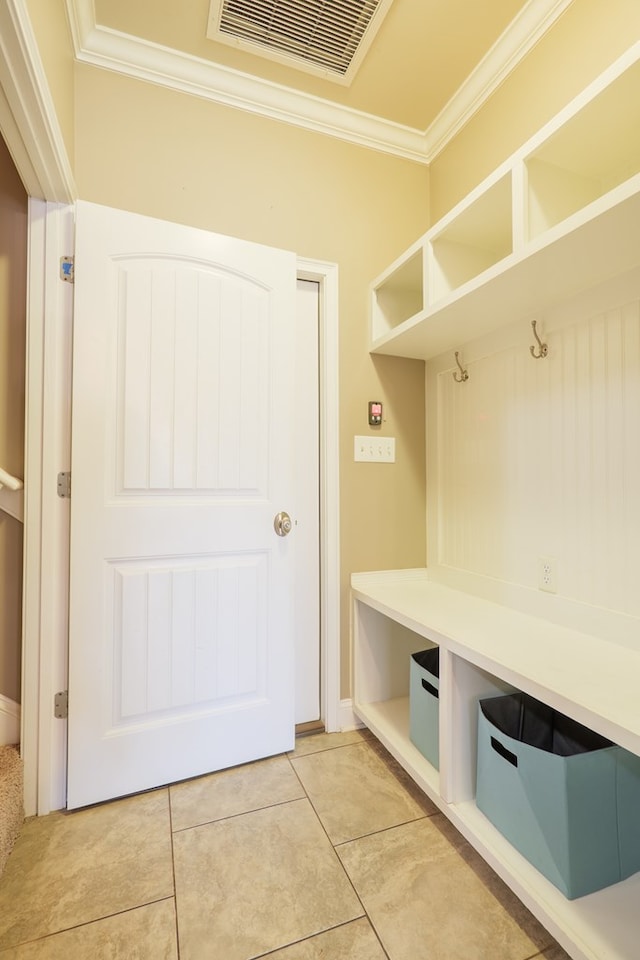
<point x="374" y="449"/>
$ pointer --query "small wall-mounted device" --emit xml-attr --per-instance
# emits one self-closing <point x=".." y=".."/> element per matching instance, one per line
<point x="375" y="413"/>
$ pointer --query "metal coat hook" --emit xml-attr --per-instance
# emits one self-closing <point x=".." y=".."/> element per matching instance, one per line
<point x="543" y="348"/>
<point x="463" y="373"/>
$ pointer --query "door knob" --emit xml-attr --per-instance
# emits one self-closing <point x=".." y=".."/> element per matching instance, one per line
<point x="282" y="523"/>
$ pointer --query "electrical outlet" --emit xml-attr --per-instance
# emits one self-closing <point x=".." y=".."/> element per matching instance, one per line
<point x="547" y="574"/>
<point x="374" y="449"/>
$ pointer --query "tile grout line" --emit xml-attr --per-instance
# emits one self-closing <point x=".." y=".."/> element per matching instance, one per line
<point x="342" y="866"/>
<point x="423" y="816"/>
<point x="374" y="833"/>
<point x="173" y="873"/>
<point x="243" y="813"/>
<point x="338" y="746"/>
<point x="79" y="926"/>
<point x="345" y="923"/>
<point x="303" y="797"/>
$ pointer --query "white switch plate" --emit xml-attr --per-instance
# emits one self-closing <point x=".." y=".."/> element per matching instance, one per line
<point x="374" y="449"/>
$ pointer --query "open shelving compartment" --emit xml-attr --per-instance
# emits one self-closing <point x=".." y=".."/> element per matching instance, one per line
<point x="561" y="214"/>
<point x="474" y="240"/>
<point x="384" y="649"/>
<point x="394" y="613"/>
<point x="589" y="155"/>
<point x="399" y="294"/>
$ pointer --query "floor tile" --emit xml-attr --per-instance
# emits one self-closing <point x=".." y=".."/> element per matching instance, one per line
<point x="358" y="789"/>
<point x="258" y="882"/>
<point x="352" y="941"/>
<point x="235" y="791"/>
<point x="145" y="933"/>
<point x="316" y="742"/>
<point x="424" y="897"/>
<point x="69" y="869"/>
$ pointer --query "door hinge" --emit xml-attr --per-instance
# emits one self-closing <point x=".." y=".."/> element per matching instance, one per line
<point x="67" y="271"/>
<point x="64" y="485"/>
<point x="61" y="705"/>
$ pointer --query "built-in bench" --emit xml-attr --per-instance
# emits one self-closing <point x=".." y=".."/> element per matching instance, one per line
<point x="486" y="649"/>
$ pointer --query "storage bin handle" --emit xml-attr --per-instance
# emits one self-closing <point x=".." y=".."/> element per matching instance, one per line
<point x="430" y="689"/>
<point x="504" y="753"/>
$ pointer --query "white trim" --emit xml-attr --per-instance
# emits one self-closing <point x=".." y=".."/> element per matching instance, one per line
<point x="326" y="274"/>
<point x="56" y="456"/>
<point x="46" y="561"/>
<point x="134" y="57"/>
<point x="347" y="718"/>
<point x="28" y="120"/>
<point x="33" y="505"/>
<point x="510" y="49"/>
<point x="30" y="129"/>
<point x="9" y="721"/>
<point x="142" y="60"/>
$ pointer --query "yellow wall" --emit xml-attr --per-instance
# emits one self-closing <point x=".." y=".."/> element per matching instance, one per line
<point x="161" y="153"/>
<point x="586" y="39"/>
<point x="173" y="156"/>
<point x="50" y="25"/>
<point x="13" y="292"/>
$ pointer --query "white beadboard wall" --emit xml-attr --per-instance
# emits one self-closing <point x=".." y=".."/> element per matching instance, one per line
<point x="541" y="458"/>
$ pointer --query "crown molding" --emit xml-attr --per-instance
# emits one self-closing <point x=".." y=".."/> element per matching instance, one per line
<point x="28" y="119"/>
<point x="510" y="49"/>
<point x="137" y="58"/>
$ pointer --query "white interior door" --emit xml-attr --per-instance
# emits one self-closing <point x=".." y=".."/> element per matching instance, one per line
<point x="181" y="605"/>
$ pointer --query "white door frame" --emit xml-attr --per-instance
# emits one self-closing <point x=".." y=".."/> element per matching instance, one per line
<point x="30" y="128"/>
<point x="45" y="634"/>
<point x="28" y="120"/>
<point x="326" y="275"/>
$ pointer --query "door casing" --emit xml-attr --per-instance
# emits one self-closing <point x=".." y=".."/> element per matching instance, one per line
<point x="306" y="522"/>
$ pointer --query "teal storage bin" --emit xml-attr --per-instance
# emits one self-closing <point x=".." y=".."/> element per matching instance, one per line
<point x="424" y="692"/>
<point x="628" y="794"/>
<point x="565" y="797"/>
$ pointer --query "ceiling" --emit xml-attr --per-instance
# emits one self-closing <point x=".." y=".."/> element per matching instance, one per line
<point x="430" y="66"/>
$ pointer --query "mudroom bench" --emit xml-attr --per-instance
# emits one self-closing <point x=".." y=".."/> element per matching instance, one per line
<point x="486" y="650"/>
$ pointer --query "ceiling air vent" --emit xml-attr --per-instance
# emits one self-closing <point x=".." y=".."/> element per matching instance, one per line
<point x="325" y="37"/>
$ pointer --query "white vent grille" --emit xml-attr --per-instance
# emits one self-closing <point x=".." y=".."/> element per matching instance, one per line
<point x="326" y="36"/>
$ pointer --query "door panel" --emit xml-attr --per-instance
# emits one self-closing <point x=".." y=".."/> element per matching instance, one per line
<point x="181" y="618"/>
<point x="192" y="399"/>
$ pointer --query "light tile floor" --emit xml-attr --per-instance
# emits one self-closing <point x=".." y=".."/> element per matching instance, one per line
<point x="327" y="853"/>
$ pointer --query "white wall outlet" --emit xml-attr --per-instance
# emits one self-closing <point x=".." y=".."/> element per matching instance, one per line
<point x="548" y="574"/>
<point x="374" y="449"/>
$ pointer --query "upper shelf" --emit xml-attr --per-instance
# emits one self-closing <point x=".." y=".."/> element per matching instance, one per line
<point x="562" y="214"/>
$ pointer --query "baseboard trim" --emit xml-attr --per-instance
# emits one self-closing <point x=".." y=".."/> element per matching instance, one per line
<point x="347" y="720"/>
<point x="9" y="721"/>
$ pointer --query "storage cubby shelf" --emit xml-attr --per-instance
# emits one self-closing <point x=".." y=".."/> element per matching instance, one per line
<point x="486" y="648"/>
<point x="561" y="215"/>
